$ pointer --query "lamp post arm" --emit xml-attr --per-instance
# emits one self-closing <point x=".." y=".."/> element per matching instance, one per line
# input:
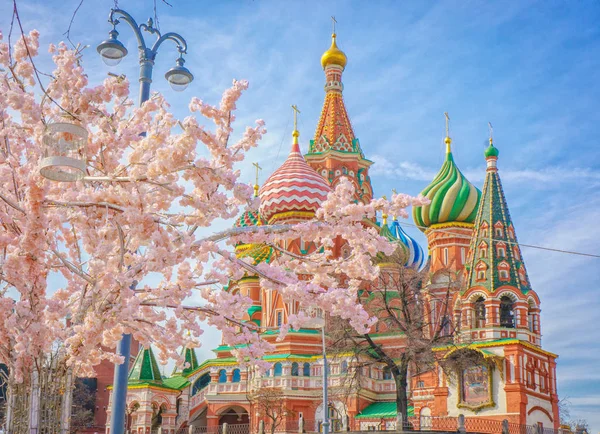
<point x="122" y="15"/>
<point x="178" y="39"/>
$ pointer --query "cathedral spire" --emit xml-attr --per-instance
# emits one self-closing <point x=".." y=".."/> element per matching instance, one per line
<point x="495" y="257"/>
<point x="334" y="130"/>
<point x="145" y="368"/>
<point x="335" y="151"/>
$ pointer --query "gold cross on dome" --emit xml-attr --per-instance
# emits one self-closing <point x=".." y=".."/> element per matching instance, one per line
<point x="447" y="124"/>
<point x="491" y="132"/>
<point x="296" y="111"/>
<point x="257" y="169"/>
<point x="333" y="21"/>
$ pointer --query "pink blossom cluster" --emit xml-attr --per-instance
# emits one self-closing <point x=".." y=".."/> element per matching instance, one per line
<point x="152" y="180"/>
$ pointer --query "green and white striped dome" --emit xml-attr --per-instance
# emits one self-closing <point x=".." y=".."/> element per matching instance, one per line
<point x="453" y="197"/>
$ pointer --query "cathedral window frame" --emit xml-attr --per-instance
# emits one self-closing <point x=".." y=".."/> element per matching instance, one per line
<point x="306" y="368"/>
<point x="483" y="248"/>
<point x="501" y="250"/>
<point x="222" y="376"/>
<point x="498" y="229"/>
<point x="479" y="310"/>
<point x="236" y="376"/>
<point x="481" y="271"/>
<point x="484" y="229"/>
<point x="277" y="369"/>
<point x="508" y="312"/>
<point x="295" y="372"/>
<point x="278" y="317"/>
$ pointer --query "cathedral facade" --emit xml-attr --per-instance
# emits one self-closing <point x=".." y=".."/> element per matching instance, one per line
<point x="494" y="312"/>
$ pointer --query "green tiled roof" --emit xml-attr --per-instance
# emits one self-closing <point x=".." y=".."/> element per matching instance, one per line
<point x="189" y="355"/>
<point x="378" y="410"/>
<point x="176" y="382"/>
<point x="145" y="369"/>
<point x="305" y="331"/>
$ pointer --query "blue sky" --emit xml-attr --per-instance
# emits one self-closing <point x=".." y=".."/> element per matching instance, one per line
<point x="529" y="67"/>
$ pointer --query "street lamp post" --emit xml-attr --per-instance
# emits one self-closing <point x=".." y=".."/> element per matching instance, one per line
<point x="179" y="77"/>
<point x="317" y="320"/>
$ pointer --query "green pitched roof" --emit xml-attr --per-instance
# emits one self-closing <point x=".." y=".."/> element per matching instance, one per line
<point x="189" y="354"/>
<point x="145" y="369"/>
<point x="176" y="382"/>
<point x="484" y="252"/>
<point x="378" y="410"/>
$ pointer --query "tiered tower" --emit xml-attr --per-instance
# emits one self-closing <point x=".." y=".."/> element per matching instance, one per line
<point x="448" y="224"/>
<point x="498" y="301"/>
<point x="335" y="151"/>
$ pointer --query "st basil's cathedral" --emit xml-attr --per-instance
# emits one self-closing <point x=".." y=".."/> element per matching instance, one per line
<point x="494" y="312"/>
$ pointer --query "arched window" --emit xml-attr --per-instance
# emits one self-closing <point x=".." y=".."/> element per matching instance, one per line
<point x="236" y="378"/>
<point x="222" y="376"/>
<point x="480" y="274"/>
<point x="531" y="318"/>
<point x="294" y="369"/>
<point x="480" y="312"/>
<point x="507" y="312"/>
<point x="387" y="374"/>
<point x="277" y="370"/>
<point x="200" y="383"/>
<point x="445" y="329"/>
<point x="268" y="373"/>
<point x="306" y="369"/>
<point x="344" y="367"/>
<point x="503" y="274"/>
<point x="501" y="252"/>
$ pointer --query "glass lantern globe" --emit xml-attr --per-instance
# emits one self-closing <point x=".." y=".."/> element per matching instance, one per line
<point x="179" y="77"/>
<point x="112" y="50"/>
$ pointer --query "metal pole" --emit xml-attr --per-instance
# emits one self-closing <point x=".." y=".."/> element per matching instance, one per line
<point x="119" y="402"/>
<point x="325" y="399"/>
<point x="119" y="398"/>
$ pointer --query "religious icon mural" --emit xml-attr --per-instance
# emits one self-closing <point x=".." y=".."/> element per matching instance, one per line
<point x="475" y="385"/>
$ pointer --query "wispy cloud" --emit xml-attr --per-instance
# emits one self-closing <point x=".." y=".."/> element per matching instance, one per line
<point x="544" y="176"/>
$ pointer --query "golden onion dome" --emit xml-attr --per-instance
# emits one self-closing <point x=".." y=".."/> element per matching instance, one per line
<point x="334" y="56"/>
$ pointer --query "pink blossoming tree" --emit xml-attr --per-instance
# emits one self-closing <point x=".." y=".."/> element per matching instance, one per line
<point x="154" y="185"/>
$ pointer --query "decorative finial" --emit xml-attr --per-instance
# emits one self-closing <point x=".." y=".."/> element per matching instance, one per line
<point x="394" y="192"/>
<point x="384" y="216"/>
<point x="447" y="140"/>
<point x="491" y="133"/>
<point x="334" y="22"/>
<point x="295" y="133"/>
<point x="256" y="184"/>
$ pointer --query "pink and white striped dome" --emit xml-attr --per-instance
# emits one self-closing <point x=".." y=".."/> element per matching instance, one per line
<point x="295" y="189"/>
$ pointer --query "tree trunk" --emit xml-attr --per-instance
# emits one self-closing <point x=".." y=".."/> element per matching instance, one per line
<point x="400" y="374"/>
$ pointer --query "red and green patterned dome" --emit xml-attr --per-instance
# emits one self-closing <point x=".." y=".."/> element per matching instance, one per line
<point x="249" y="218"/>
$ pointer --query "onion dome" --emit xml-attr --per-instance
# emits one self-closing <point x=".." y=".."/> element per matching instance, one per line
<point x="385" y="231"/>
<point x="249" y="218"/>
<point x="334" y="56"/>
<point x="295" y="190"/>
<point x="453" y="198"/>
<point x="491" y="151"/>
<point x="415" y="256"/>
<point x="258" y="252"/>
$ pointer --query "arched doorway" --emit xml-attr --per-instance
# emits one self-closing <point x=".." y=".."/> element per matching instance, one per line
<point x="235" y="415"/>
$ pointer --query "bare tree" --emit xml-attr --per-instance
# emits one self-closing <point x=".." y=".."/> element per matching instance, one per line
<point x="413" y="311"/>
<point x="269" y="404"/>
<point x="578" y="426"/>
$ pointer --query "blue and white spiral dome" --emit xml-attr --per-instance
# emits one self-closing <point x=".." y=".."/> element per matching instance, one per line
<point x="416" y="257"/>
